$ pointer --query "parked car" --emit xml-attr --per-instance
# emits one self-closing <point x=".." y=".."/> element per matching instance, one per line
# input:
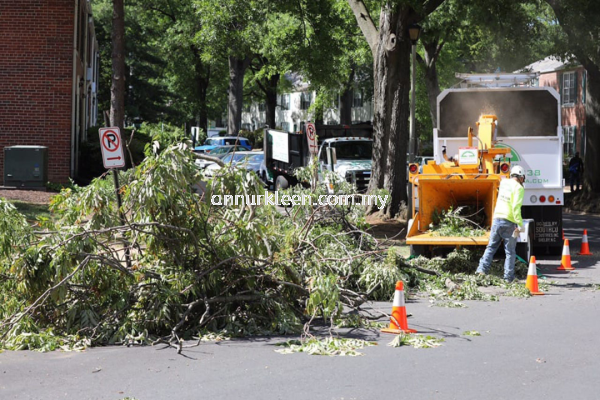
<point x="242" y="159"/>
<point x="423" y="160"/>
<point x="254" y="161"/>
<point x="218" y="152"/>
<point x="211" y="143"/>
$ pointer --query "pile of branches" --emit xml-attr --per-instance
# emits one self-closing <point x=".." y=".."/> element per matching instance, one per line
<point x="465" y="221"/>
<point x="168" y="264"/>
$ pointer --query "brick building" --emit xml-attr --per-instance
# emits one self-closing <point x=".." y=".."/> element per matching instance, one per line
<point x="569" y="80"/>
<point x="48" y="79"/>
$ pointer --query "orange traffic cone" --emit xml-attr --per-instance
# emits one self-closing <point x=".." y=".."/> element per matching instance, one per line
<point x="565" y="262"/>
<point x="585" y="246"/>
<point x="532" y="281"/>
<point x="398" y="321"/>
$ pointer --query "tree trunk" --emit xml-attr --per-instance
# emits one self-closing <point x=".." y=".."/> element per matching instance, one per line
<point x="237" y="69"/>
<point x="202" y="81"/>
<point x="346" y="101"/>
<point x="117" y="88"/>
<point x="591" y="177"/>
<point x="318" y="108"/>
<point x="429" y="64"/>
<point x="271" y="99"/>
<point x="346" y="107"/>
<point x="391" y="110"/>
<point x="202" y="86"/>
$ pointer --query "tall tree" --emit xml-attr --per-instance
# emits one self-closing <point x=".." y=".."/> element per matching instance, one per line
<point x="580" y="20"/>
<point x="486" y="37"/>
<point x="117" y="88"/>
<point x="189" y="74"/>
<point x="391" y="48"/>
<point x="231" y="30"/>
<point x="334" y="57"/>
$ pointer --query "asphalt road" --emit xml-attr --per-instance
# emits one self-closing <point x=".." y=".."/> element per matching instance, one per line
<point x="541" y="347"/>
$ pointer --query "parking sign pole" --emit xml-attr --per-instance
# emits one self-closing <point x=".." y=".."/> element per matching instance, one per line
<point x="121" y="215"/>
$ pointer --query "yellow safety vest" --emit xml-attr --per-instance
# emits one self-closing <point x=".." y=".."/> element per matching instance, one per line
<point x="510" y="200"/>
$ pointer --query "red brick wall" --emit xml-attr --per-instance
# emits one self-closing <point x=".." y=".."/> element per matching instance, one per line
<point x="36" y="78"/>
<point x="570" y="115"/>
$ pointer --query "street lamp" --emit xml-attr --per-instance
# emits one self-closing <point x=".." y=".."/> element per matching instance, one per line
<point x="414" y="31"/>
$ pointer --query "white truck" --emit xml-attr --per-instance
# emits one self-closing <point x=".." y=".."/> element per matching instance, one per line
<point x="344" y="149"/>
<point x="529" y="124"/>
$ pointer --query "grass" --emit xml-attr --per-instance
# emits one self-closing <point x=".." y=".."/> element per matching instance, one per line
<point x="32" y="210"/>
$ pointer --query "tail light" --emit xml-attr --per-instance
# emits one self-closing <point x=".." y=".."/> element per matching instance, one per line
<point x="413" y="168"/>
<point x="207" y="151"/>
<point x="551" y="199"/>
<point x="504" y="168"/>
<point x="542" y="199"/>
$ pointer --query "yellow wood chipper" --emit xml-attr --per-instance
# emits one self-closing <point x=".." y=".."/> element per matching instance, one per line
<point x="470" y="178"/>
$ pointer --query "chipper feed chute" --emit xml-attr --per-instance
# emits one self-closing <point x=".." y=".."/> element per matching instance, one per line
<point x="440" y="193"/>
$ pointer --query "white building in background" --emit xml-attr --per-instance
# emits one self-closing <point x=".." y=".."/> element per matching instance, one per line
<point x="292" y="108"/>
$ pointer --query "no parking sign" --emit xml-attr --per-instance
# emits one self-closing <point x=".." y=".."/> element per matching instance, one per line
<point x="311" y="136"/>
<point x="112" y="148"/>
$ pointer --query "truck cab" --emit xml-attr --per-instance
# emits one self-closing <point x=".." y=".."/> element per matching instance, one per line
<point x="352" y="160"/>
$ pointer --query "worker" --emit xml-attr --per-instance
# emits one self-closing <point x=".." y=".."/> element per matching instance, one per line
<point x="507" y="223"/>
<point x="575" y="172"/>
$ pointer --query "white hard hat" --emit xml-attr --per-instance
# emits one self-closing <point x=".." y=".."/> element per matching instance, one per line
<point x="517" y="170"/>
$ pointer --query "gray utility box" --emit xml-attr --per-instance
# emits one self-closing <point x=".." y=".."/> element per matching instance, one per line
<point x="26" y="166"/>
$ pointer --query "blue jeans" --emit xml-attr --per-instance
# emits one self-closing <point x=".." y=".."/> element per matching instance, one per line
<point x="502" y="229"/>
<point x="575" y="180"/>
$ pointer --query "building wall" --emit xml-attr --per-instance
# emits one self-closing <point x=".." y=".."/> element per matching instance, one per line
<point x="573" y="113"/>
<point x="46" y="98"/>
<point x="36" y="77"/>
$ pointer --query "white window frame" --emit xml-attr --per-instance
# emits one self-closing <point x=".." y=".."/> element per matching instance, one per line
<point x="358" y="100"/>
<point x="284" y="102"/>
<point x="335" y="101"/>
<point x="569" y="142"/>
<point x="305" y="100"/>
<point x="569" y="89"/>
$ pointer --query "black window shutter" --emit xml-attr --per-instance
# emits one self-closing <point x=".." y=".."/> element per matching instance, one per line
<point x="574" y="89"/>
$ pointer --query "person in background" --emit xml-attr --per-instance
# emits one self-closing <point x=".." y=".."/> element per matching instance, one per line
<point x="576" y="171"/>
<point x="507" y="223"/>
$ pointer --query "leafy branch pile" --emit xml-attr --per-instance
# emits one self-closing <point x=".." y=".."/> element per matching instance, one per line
<point x="451" y="223"/>
<point x="329" y="346"/>
<point x="451" y="279"/>
<point x="179" y="265"/>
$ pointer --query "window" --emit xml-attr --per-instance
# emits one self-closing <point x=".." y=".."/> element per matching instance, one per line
<point x="569" y="143"/>
<point x="285" y="126"/>
<point x="569" y="88"/>
<point x="246" y="107"/>
<point x="261" y="106"/>
<point x="305" y="100"/>
<point x="357" y="98"/>
<point x="335" y="101"/>
<point x="350" y="150"/>
<point x="284" y="101"/>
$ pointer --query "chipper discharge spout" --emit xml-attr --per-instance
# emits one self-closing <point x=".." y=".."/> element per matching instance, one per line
<point x="468" y="181"/>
